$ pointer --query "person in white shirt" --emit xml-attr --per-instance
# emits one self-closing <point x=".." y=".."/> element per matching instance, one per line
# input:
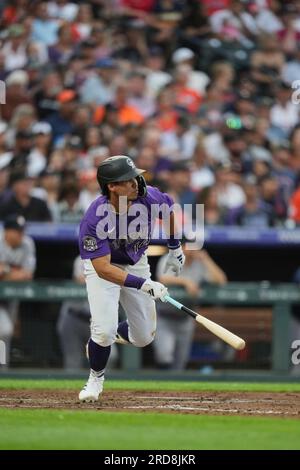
<point x="197" y="81"/>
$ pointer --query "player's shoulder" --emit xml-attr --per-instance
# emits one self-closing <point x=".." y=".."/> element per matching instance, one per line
<point x="153" y="194"/>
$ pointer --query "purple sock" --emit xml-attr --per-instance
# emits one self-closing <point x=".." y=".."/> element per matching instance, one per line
<point x="123" y="330"/>
<point x="98" y="355"/>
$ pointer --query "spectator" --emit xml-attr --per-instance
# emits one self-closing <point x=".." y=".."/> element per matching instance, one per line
<point x="17" y="263"/>
<point x="180" y="143"/>
<point x="253" y="213"/>
<point x="61" y="121"/>
<point x="90" y="188"/>
<point x="175" y="330"/>
<point x="22" y="203"/>
<point x="38" y="156"/>
<point x="68" y="208"/>
<point x="197" y="81"/>
<point x="16" y="93"/>
<point x="44" y="29"/>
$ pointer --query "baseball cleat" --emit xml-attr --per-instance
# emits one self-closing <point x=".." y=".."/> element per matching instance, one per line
<point x="92" y="389"/>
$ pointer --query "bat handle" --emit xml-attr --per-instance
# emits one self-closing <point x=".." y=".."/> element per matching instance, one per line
<point x="172" y="301"/>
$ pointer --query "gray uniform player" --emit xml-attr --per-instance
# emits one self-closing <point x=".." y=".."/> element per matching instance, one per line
<point x="17" y="263"/>
<point x="114" y="235"/>
<point x="175" y="331"/>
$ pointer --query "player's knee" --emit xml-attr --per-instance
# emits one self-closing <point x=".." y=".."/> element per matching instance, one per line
<point x="143" y="340"/>
<point x="103" y="338"/>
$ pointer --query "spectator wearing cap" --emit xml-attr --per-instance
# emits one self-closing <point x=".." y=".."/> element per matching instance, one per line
<point x="16" y="93"/>
<point x="99" y="88"/>
<point x="61" y="121"/>
<point x="21" y="202"/>
<point x="17" y="263"/>
<point x="197" y="80"/>
<point x="14" y="49"/>
<point x="22" y="148"/>
<point x="37" y="158"/>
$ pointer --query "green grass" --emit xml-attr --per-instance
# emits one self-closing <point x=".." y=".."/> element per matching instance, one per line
<point x="49" y="429"/>
<point x="97" y="429"/>
<point x="153" y="385"/>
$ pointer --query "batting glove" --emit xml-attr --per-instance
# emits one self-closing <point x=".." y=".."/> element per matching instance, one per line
<point x="175" y="261"/>
<point x="155" y="289"/>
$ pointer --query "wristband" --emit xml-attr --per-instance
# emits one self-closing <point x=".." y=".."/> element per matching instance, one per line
<point x="173" y="243"/>
<point x="134" y="281"/>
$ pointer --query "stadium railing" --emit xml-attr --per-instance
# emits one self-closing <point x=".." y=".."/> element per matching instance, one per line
<point x="279" y="296"/>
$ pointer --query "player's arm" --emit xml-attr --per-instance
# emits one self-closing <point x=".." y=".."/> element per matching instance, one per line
<point x="109" y="272"/>
<point x="176" y="257"/>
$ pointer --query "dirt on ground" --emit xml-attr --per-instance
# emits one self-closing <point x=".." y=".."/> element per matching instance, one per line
<point x="198" y="403"/>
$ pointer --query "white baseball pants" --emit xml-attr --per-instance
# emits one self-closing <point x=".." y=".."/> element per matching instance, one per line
<point x="104" y="298"/>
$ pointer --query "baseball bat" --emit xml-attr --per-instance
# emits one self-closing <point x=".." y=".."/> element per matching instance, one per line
<point x="233" y="340"/>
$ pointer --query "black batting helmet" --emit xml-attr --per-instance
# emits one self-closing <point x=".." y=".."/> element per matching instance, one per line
<point x="120" y="168"/>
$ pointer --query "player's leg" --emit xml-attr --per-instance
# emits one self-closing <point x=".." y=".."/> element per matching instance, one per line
<point x="141" y="316"/>
<point x="103" y="297"/>
<point x="139" y="308"/>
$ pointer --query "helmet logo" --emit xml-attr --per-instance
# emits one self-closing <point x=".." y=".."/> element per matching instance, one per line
<point x="130" y="162"/>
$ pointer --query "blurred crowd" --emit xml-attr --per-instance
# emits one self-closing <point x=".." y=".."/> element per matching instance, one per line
<point x="202" y="94"/>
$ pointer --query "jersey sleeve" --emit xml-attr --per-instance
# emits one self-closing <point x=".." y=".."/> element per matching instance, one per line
<point x="161" y="200"/>
<point x="90" y="245"/>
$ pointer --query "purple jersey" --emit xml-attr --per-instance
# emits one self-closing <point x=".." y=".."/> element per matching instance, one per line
<point x="125" y="238"/>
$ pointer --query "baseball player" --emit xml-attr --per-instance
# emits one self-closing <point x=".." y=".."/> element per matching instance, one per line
<point x="112" y="245"/>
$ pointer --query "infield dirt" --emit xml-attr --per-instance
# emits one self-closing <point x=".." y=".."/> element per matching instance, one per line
<point x="198" y="403"/>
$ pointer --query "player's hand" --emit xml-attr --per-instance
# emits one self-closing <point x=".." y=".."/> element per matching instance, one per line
<point x="155" y="289"/>
<point x="175" y="261"/>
